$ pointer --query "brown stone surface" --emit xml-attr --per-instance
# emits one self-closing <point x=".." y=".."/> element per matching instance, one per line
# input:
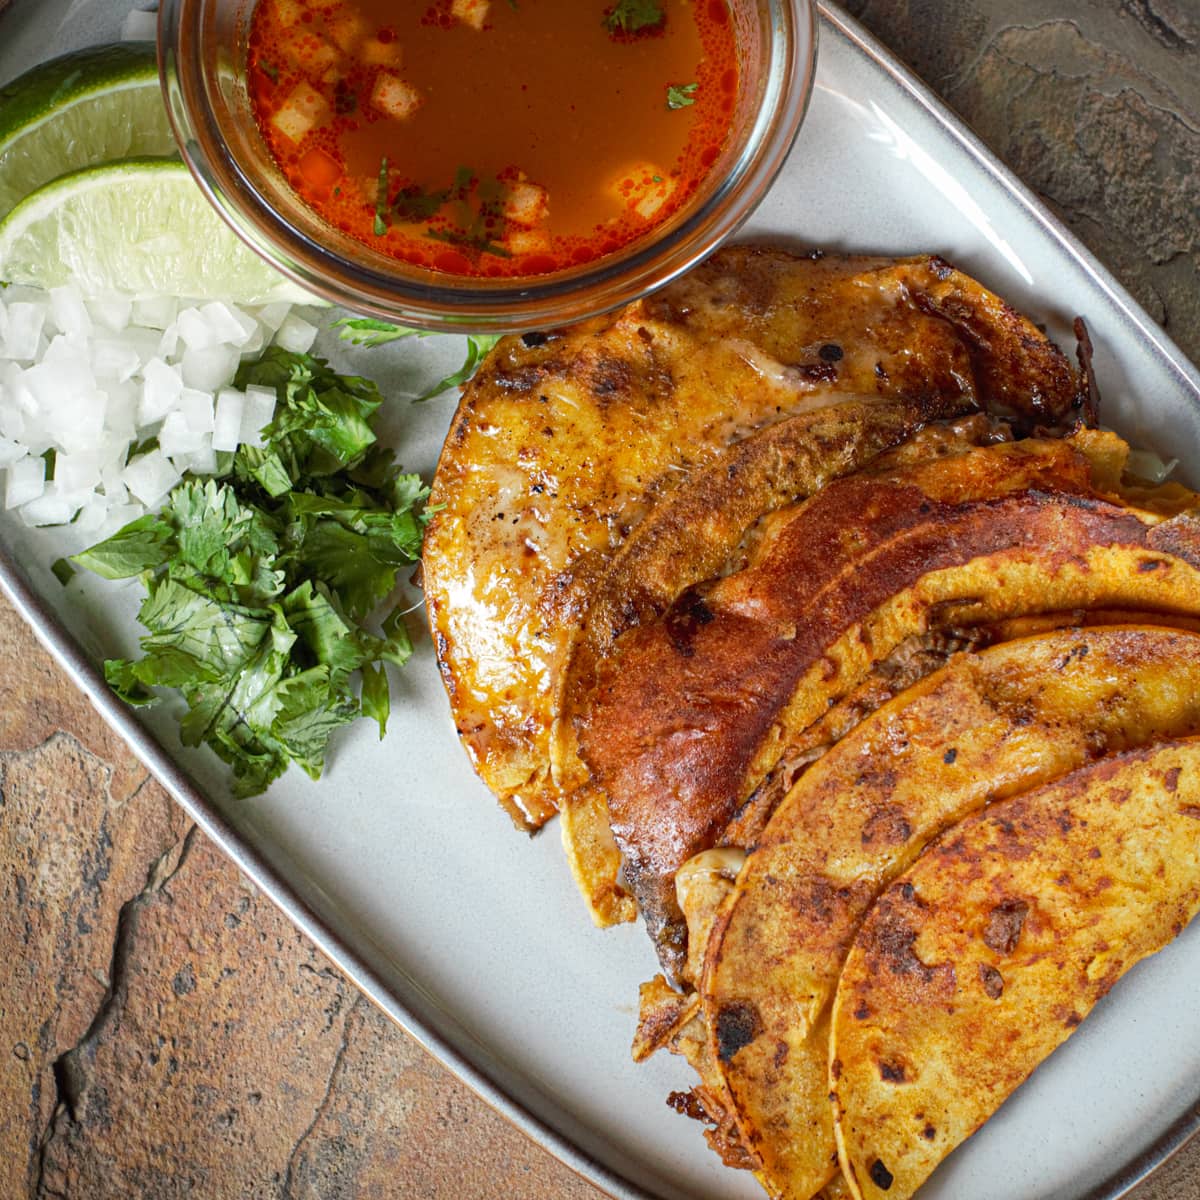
<point x="74" y="853"/>
<point x="1096" y="105"/>
<point x="168" y="1033"/>
<point x="164" y="1031"/>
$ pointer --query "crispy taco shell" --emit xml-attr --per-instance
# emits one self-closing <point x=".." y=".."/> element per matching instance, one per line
<point x="564" y="441"/>
<point x="987" y="725"/>
<point x="690" y="536"/>
<point x="693" y="711"/>
<point x="993" y="947"/>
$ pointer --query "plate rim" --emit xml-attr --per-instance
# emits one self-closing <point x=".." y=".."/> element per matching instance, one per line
<point x="67" y="652"/>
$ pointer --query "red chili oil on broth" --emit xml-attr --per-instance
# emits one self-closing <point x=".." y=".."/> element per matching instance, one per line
<point x="494" y="137"/>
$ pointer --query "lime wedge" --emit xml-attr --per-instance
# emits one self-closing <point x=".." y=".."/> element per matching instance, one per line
<point x="85" y="108"/>
<point x="141" y="227"/>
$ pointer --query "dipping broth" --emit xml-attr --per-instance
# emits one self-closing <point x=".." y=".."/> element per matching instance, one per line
<point x="494" y="137"/>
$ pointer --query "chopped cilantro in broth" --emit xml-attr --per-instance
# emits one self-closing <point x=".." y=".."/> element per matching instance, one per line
<point x="486" y="137"/>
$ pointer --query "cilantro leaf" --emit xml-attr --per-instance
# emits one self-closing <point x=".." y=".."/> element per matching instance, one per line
<point x="478" y="346"/>
<point x="476" y="241"/>
<point x="381" y="199"/>
<point x="267" y="469"/>
<point x="218" y="636"/>
<point x="223" y="539"/>
<point x="321" y="424"/>
<point x="397" y="646"/>
<point x="259" y="580"/>
<point x="413" y="203"/>
<point x="365" y="331"/>
<point x="140" y="546"/>
<point x="376" y="696"/>
<point x="309" y="712"/>
<point x="633" y="16"/>
<point x="332" y="641"/>
<point x="121" y="677"/>
<point x="680" y="95"/>
<point x="361" y="568"/>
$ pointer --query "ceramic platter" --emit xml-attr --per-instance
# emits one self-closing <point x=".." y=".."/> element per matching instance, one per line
<point x="406" y="873"/>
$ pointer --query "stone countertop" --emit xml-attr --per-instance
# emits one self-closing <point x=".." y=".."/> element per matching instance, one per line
<point x="166" y="1033"/>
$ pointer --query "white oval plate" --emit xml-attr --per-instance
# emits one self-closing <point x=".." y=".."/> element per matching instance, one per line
<point x="405" y="872"/>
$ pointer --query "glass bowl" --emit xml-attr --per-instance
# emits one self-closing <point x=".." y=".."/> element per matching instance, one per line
<point x="203" y="54"/>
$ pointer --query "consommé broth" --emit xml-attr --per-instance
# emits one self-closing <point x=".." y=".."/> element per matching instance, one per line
<point x="494" y="137"/>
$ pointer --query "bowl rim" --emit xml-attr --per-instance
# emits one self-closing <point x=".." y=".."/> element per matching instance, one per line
<point x="444" y="303"/>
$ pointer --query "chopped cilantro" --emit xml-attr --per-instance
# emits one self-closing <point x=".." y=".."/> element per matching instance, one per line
<point x="375" y="695"/>
<point x="680" y="95"/>
<point x="468" y="213"/>
<point x="469" y="240"/>
<point x="138" y="546"/>
<point x="365" y="331"/>
<point x="464" y="181"/>
<point x="381" y="199"/>
<point x="269" y="70"/>
<point x="478" y="345"/>
<point x="413" y="203"/>
<point x="260" y="583"/>
<point x="634" y="16"/>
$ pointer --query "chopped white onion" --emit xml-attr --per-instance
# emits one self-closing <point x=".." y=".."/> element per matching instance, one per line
<point x="260" y="408"/>
<point x="23" y="331"/>
<point x="296" y="334"/>
<point x="175" y="438"/>
<point x="12" y="419"/>
<point x="112" y="312"/>
<point x="52" y="507"/>
<point x="227" y="422"/>
<point x="147" y="343"/>
<point x="155" y="312"/>
<point x="26" y="481"/>
<point x="118" y="516"/>
<point x="120" y="417"/>
<point x="161" y="388"/>
<point x="115" y="358"/>
<point x="17" y="391"/>
<point x="77" y="472"/>
<point x="271" y="316"/>
<point x="196" y="332"/>
<point x="227" y="324"/>
<point x="150" y="477"/>
<point x="90" y="378"/>
<point x="168" y="344"/>
<point x="115" y="491"/>
<point x="197" y="410"/>
<point x="77" y="421"/>
<point x="209" y="368"/>
<point x="10" y="452"/>
<point x="70" y="313"/>
<point x="202" y="462"/>
<point x="256" y="341"/>
<point x="92" y="515"/>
